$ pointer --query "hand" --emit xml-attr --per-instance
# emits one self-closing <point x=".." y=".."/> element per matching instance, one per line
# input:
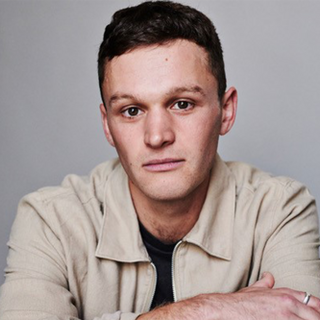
<point x="259" y="301"/>
<point x="264" y="302"/>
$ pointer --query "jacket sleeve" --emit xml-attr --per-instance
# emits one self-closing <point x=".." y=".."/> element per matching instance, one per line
<point x="291" y="250"/>
<point x="36" y="284"/>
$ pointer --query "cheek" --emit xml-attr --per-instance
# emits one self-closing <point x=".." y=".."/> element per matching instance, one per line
<point x="126" y="143"/>
<point x="207" y="132"/>
<point x="207" y="143"/>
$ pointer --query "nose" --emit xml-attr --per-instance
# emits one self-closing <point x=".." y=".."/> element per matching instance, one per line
<point x="159" y="131"/>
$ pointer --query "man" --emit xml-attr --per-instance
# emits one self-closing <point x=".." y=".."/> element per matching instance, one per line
<point x="169" y="231"/>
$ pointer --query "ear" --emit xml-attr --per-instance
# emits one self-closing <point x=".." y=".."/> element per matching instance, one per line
<point x="229" y="106"/>
<point x="105" y="124"/>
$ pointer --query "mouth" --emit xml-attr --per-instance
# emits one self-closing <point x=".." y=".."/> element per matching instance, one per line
<point x="161" y="165"/>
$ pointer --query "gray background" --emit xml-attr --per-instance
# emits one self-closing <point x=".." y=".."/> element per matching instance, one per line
<point x="49" y="98"/>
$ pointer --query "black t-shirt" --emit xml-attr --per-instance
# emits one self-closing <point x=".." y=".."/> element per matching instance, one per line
<point x="161" y="256"/>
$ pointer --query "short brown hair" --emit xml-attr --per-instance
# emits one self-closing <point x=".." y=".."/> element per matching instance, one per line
<point x="158" y="22"/>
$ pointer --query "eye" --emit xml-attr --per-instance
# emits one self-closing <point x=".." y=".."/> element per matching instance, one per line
<point x="183" y="105"/>
<point x="131" y="112"/>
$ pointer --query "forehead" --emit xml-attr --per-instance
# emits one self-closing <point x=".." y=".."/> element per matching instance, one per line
<point x="157" y="68"/>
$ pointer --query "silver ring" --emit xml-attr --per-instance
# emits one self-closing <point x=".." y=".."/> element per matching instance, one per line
<point x="306" y="298"/>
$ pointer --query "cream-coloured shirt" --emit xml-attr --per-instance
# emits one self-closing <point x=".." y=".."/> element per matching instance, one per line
<point x="75" y="251"/>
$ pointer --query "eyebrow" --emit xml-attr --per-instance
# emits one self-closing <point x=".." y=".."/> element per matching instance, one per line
<point x="174" y="91"/>
<point x="192" y="89"/>
<point x="118" y="96"/>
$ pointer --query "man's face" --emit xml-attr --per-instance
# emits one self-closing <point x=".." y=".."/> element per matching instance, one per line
<point x="164" y="118"/>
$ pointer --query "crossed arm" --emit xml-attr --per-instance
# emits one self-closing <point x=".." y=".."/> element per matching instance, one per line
<point x="259" y="301"/>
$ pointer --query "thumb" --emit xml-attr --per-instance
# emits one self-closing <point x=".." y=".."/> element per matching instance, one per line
<point x="266" y="281"/>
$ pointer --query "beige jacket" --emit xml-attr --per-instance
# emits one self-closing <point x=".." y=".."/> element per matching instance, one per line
<point x="76" y="251"/>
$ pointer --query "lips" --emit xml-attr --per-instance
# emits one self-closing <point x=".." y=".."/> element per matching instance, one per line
<point x="160" y="165"/>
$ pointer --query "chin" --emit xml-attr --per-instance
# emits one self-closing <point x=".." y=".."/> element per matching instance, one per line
<point x="171" y="186"/>
<point x="168" y="191"/>
<point x="165" y="197"/>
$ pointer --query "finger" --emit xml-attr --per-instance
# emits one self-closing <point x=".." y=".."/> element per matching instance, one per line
<point x="314" y="302"/>
<point x="305" y="312"/>
<point x="266" y="281"/>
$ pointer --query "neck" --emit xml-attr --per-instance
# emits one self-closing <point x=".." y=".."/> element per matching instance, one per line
<point x="169" y="221"/>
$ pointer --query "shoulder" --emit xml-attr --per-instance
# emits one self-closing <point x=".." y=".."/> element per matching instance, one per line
<point x="272" y="201"/>
<point x="255" y="181"/>
<point x="77" y="201"/>
<point x="82" y="188"/>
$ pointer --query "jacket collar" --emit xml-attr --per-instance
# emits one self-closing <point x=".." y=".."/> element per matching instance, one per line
<point x="120" y="237"/>
<point x="213" y="232"/>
